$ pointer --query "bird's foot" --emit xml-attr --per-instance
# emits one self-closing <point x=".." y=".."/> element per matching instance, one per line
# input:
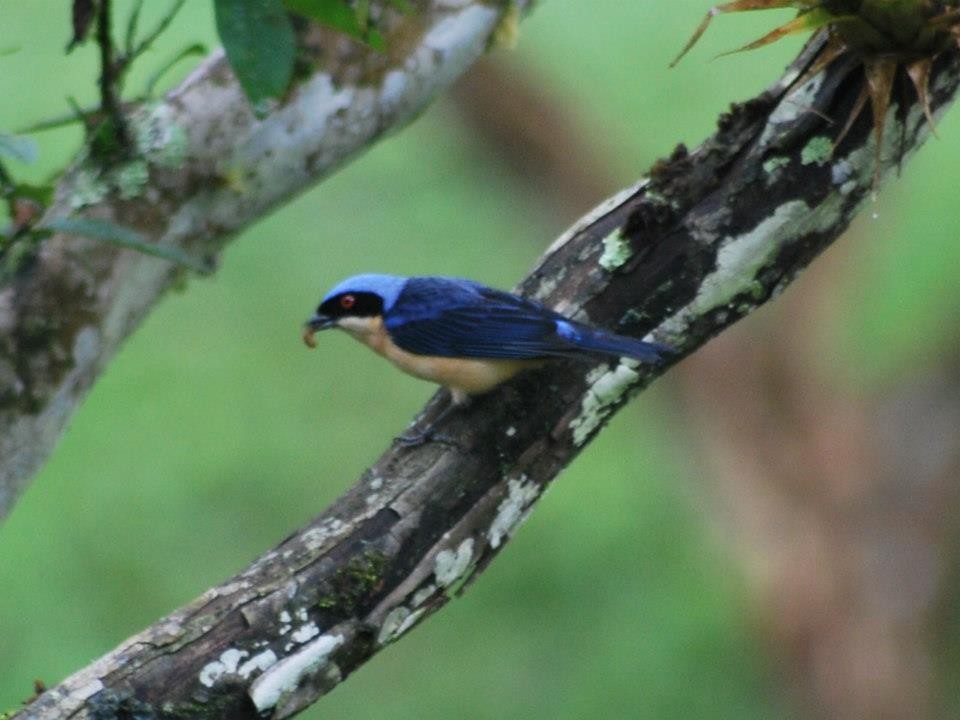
<point x="417" y="439"/>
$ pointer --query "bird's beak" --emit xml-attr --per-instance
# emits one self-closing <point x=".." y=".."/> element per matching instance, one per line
<point x="314" y="325"/>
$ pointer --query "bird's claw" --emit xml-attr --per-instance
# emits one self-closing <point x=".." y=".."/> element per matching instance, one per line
<point x="422" y="438"/>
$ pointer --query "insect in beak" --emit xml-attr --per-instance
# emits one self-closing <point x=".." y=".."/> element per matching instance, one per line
<point x="314" y="325"/>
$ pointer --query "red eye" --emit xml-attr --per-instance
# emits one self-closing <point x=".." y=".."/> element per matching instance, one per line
<point x="347" y="302"/>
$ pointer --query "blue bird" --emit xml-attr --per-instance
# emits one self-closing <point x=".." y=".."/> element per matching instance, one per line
<point x="459" y="333"/>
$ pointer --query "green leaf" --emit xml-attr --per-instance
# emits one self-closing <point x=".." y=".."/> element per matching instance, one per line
<point x="19" y="148"/>
<point x="258" y="39"/>
<point x="124" y="237"/>
<point x="376" y="41"/>
<point x="40" y="194"/>
<point x="333" y="13"/>
<point x="350" y="19"/>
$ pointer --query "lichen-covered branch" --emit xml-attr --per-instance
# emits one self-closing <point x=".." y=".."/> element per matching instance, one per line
<point x="203" y="167"/>
<point x="704" y="240"/>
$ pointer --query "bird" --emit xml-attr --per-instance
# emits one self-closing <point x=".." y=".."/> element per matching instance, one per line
<point x="460" y="334"/>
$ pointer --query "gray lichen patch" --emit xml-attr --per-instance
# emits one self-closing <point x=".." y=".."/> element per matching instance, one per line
<point x="158" y="141"/>
<point x="395" y="618"/>
<point x="741" y="257"/>
<point x="449" y="565"/>
<point x="510" y="513"/>
<point x="131" y="178"/>
<point x="226" y="664"/>
<point x="282" y="679"/>
<point x="773" y="167"/>
<point x="605" y="390"/>
<point x="792" y="106"/>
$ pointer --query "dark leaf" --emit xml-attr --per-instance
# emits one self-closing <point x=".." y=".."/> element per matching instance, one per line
<point x="124" y="237"/>
<point x="260" y="45"/>
<point x="40" y="194"/>
<point x="336" y="14"/>
<point x="83" y="13"/>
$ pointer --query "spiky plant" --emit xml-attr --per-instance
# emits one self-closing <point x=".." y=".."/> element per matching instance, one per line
<point x="883" y="35"/>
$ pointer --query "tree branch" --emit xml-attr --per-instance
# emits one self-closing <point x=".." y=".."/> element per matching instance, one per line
<point x="204" y="168"/>
<point x="707" y="238"/>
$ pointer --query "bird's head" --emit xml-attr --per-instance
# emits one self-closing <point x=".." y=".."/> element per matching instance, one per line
<point x="354" y="305"/>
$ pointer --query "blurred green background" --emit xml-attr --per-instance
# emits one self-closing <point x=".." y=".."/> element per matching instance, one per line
<point x="214" y="432"/>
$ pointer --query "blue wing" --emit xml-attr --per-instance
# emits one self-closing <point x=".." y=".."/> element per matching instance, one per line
<point x="458" y="318"/>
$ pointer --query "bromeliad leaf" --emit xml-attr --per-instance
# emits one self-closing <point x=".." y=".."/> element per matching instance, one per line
<point x="124" y="237"/>
<point x="807" y="20"/>
<point x="740" y="6"/>
<point x="260" y="45"/>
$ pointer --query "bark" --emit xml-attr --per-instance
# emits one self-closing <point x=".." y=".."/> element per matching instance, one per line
<point x="205" y="168"/>
<point x="707" y="238"/>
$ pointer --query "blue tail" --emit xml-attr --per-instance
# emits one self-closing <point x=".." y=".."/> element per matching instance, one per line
<point x="588" y="341"/>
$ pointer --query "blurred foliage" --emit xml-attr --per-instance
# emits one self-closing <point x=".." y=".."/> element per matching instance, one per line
<point x="258" y="38"/>
<point x="213" y="433"/>
<point x="260" y="45"/>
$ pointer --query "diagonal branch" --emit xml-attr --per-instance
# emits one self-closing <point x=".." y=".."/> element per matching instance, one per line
<point x="703" y="241"/>
<point x="204" y="168"/>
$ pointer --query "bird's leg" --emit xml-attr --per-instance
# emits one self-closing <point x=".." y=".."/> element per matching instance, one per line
<point x="428" y="434"/>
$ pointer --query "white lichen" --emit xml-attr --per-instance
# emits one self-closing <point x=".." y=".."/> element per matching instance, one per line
<point x="260" y="661"/>
<point x="796" y="103"/>
<point x="449" y="565"/>
<point x="227" y="664"/>
<point x="397" y="622"/>
<point x="316" y="538"/>
<point x="391" y="624"/>
<point x="285" y="676"/>
<point x="605" y="388"/>
<point x="305" y="632"/>
<point x="520" y="493"/>
<point x="422" y="595"/>
<point x="410" y="621"/>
